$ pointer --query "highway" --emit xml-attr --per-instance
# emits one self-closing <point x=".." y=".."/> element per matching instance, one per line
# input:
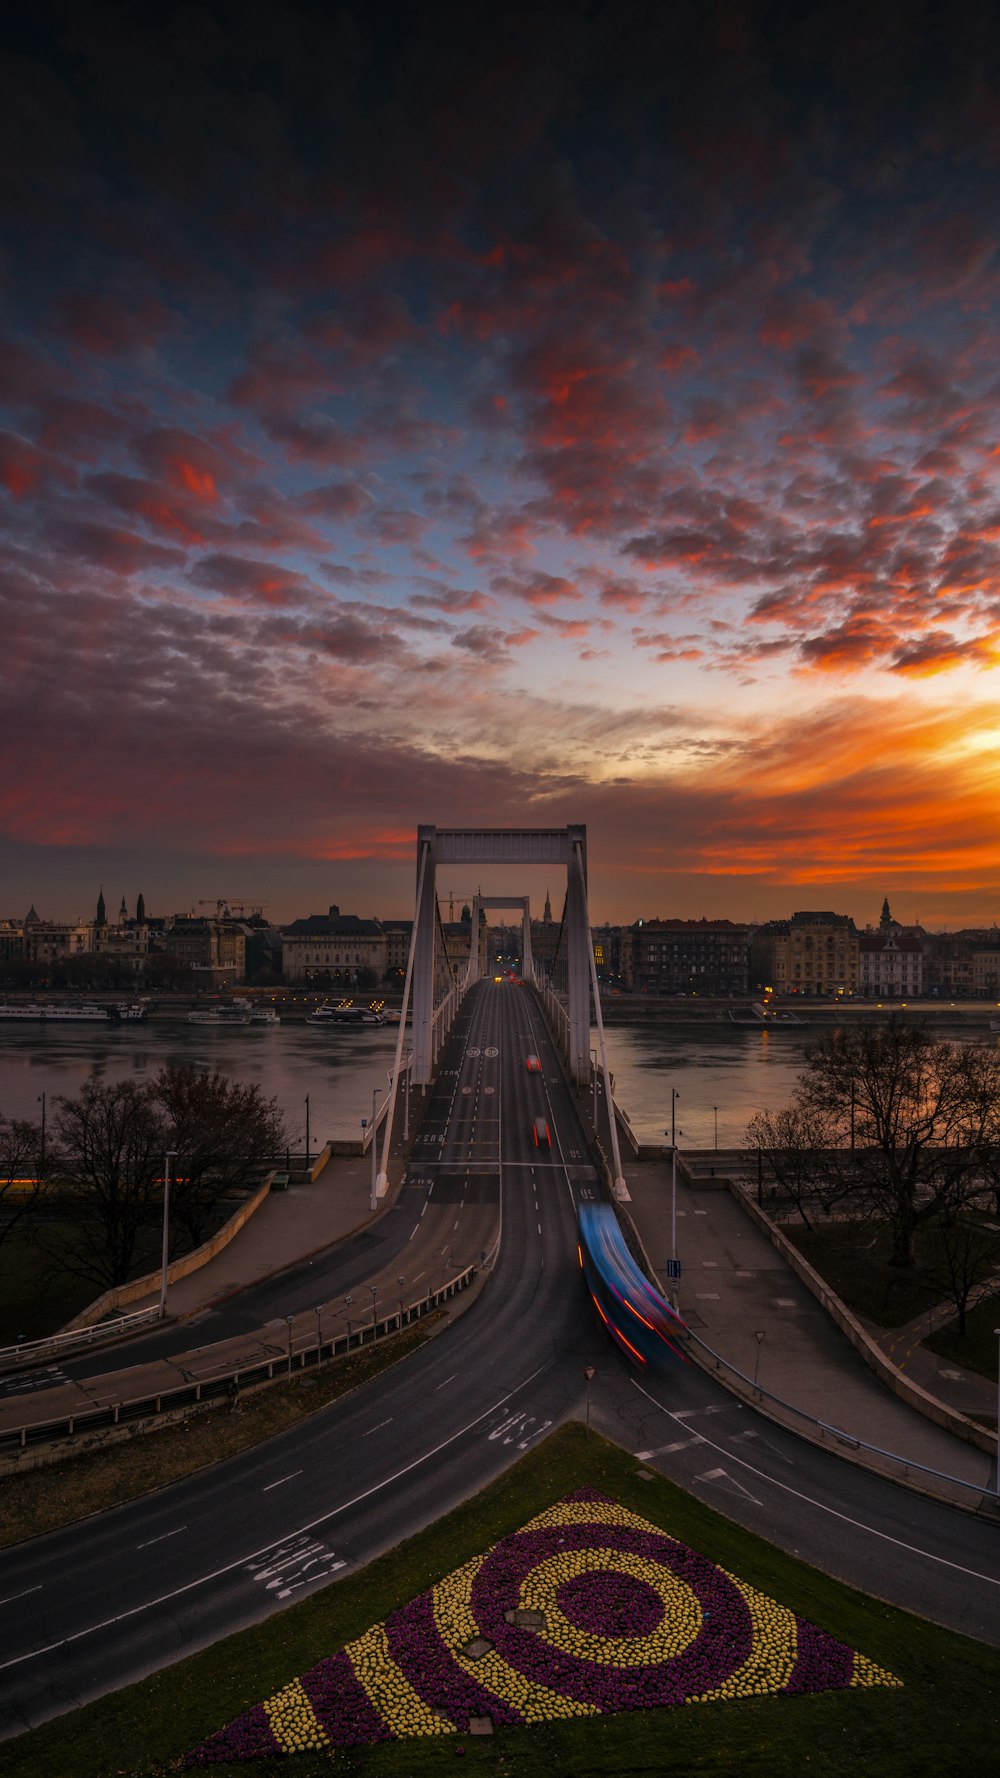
<point x="90" y="1608"/>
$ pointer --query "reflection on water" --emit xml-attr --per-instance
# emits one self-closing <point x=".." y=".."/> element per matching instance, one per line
<point x="738" y="1069"/>
<point x="337" y="1068"/>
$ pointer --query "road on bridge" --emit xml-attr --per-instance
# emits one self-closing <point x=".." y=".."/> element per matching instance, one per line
<point x="90" y="1608"/>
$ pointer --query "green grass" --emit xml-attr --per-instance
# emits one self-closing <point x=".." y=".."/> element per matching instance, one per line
<point x="944" y="1722"/>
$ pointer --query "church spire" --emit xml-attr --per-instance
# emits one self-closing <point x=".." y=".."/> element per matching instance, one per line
<point x="101" y="910"/>
<point x="886" y="918"/>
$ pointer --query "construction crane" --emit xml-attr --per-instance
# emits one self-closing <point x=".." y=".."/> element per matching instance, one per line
<point x="237" y="910"/>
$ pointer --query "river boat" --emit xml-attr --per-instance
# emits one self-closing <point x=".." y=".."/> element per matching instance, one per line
<point x="264" y="1015"/>
<point x="64" y="1014"/>
<point x="345" y="1015"/>
<point x="238" y="1014"/>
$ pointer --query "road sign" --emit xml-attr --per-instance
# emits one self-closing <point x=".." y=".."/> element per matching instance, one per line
<point x="673" y="1269"/>
<point x="590" y="1372"/>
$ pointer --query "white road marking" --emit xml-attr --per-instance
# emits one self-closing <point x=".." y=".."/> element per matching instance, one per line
<point x="722" y="1475"/>
<point x="150" y="1541"/>
<point x="377" y="1428"/>
<point x="12" y="1596"/>
<point x="845" y="1519"/>
<point x="281" y="1480"/>
<point x="447" y="1380"/>
<point x="414" y="1229"/>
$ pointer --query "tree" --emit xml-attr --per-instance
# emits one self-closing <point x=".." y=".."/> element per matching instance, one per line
<point x="21" y="1180"/>
<point x="223" y="1131"/>
<point x="108" y="1148"/>
<point x="911" y="1116"/>
<point x="789" y="1150"/>
<point x="967" y="1256"/>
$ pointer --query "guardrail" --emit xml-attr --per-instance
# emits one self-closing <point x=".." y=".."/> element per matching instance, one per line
<point x="12" y="1357"/>
<point x="226" y="1384"/>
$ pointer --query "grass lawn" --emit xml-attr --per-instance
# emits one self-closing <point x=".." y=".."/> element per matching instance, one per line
<point x="977" y="1351"/>
<point x="946" y="1720"/>
<point x="39" y="1500"/>
<point x="853" y="1258"/>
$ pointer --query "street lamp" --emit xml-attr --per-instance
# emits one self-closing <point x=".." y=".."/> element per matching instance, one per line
<point x="308" y="1142"/>
<point x="593" y="1112"/>
<point x="374" y="1290"/>
<point x="288" y="1323"/>
<point x="348" y="1300"/>
<point x="400" y="1281"/>
<point x="715" y="1108"/>
<point x="319" y="1337"/>
<point x="674" y="1096"/>
<point x="996" y="1330"/>
<point x="374" y="1204"/>
<point x="407" y="1068"/>
<point x="171" y="1155"/>
<point x="41" y="1145"/>
<point x="760" y="1334"/>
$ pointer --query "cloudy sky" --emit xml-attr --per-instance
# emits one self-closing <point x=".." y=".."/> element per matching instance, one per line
<point x="501" y="415"/>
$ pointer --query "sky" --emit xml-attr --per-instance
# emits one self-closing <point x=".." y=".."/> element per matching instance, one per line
<point x="501" y="416"/>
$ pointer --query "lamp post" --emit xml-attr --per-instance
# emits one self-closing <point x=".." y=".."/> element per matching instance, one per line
<point x="374" y="1196"/>
<point x="348" y="1300"/>
<point x="593" y="1113"/>
<point x="996" y="1330"/>
<point x="760" y="1334"/>
<point x="406" y="1098"/>
<point x="41" y="1144"/>
<point x="319" y="1337"/>
<point x="374" y="1290"/>
<point x="288" y="1323"/>
<point x="171" y="1155"/>
<point x="400" y="1281"/>
<point x="674" y="1096"/>
<point x="308" y="1142"/>
<point x="715" y="1109"/>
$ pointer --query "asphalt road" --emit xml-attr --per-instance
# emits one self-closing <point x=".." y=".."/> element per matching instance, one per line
<point x="95" y="1606"/>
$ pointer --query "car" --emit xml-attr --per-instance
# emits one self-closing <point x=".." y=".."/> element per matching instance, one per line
<point x="533" y="1065"/>
<point x="540" y="1131"/>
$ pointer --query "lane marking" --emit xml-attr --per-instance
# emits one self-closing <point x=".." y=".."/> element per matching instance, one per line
<point x="150" y="1541"/>
<point x="12" y="1596"/>
<point x="913" y="1549"/>
<point x="447" y="1380"/>
<point x="281" y="1481"/>
<point x="377" y="1428"/>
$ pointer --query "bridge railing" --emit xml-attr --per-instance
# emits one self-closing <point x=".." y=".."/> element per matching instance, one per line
<point x="76" y="1339"/>
<point x="226" y="1384"/>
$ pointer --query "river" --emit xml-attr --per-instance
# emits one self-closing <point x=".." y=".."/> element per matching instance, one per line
<point x="721" y="1072"/>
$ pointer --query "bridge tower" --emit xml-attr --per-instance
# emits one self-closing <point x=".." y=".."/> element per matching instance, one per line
<point x="561" y="846"/>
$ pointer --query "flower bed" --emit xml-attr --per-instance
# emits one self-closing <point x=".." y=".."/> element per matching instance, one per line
<point x="587" y="1609"/>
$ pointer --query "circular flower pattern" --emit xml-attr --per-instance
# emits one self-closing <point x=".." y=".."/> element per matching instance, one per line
<point x="587" y="1609"/>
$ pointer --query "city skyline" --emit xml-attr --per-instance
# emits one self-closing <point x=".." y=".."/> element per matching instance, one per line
<point x="594" y="421"/>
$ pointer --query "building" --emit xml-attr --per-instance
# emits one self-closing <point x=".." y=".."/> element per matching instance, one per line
<point x="890" y="965"/>
<point x="213" y="949"/>
<point x="397" y="946"/>
<point x="812" y="953"/>
<point x="333" y="946"/>
<point x="123" y="942"/>
<point x="689" y="957"/>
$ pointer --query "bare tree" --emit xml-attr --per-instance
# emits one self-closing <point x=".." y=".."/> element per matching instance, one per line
<point x="223" y="1132"/>
<point x="968" y="1256"/>
<point x="21" y="1183"/>
<point x="108" y="1149"/>
<point x="909" y="1114"/>
<point x="790" y="1151"/>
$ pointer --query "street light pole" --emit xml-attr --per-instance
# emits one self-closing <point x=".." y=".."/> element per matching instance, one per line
<point x="715" y="1108"/>
<point x="171" y="1155"/>
<point x="348" y="1300"/>
<point x="374" y="1290"/>
<point x="41" y="1145"/>
<point x="319" y="1337"/>
<point x="593" y="1064"/>
<point x="308" y="1143"/>
<point x="288" y="1322"/>
<point x="674" y="1096"/>
<point x="996" y="1330"/>
<point x="401" y="1281"/>
<point x="406" y="1098"/>
<point x="374" y="1197"/>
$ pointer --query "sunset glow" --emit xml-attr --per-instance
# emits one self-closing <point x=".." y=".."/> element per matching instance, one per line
<point x="404" y="420"/>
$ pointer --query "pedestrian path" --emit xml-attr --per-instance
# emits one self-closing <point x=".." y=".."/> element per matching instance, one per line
<point x="743" y="1300"/>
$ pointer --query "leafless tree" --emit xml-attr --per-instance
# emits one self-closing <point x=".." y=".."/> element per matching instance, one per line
<point x="21" y="1184"/>
<point x="967" y="1256"/>
<point x="909" y="1114"/>
<point x="223" y="1132"/>
<point x="789" y="1149"/>
<point x="108" y="1151"/>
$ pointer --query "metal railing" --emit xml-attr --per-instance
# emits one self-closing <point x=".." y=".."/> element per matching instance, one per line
<point x="76" y="1339"/>
<point x="227" y="1384"/>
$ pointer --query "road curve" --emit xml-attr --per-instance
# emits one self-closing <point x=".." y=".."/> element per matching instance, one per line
<point x="97" y="1605"/>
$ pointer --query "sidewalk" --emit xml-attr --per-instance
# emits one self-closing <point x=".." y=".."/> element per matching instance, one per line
<point x="289" y="1227"/>
<point x="741" y="1298"/>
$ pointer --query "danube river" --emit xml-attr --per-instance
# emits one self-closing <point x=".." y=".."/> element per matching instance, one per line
<point x="720" y="1071"/>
